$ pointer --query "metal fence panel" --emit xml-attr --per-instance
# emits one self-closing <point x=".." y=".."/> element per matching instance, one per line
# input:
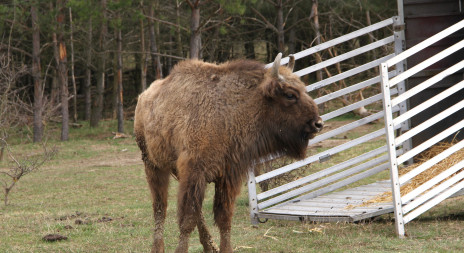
<point x="366" y="156"/>
<point x="447" y="182"/>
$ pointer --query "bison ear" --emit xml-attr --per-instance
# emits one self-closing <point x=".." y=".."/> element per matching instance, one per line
<point x="291" y="62"/>
<point x="272" y="89"/>
<point x="275" y="66"/>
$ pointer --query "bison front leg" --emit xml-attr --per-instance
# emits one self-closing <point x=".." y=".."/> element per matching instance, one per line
<point x="158" y="183"/>
<point x="224" y="203"/>
<point x="191" y="193"/>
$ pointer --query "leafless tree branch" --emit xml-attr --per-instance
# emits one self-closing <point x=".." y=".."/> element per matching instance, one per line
<point x="268" y="24"/>
<point x="21" y="167"/>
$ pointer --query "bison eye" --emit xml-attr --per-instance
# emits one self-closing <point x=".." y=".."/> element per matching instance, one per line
<point x="290" y="96"/>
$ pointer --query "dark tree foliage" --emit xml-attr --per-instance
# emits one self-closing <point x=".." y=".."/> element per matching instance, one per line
<point x="132" y="43"/>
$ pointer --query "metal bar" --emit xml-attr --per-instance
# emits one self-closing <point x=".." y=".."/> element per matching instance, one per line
<point x="400" y="44"/>
<point x="341" y="183"/>
<point x="430" y="122"/>
<point x="311" y="210"/>
<point x="351" y="88"/>
<point x="435" y="190"/>
<point x="252" y="200"/>
<point x="285" y="217"/>
<point x="347" y="73"/>
<point x="429" y="163"/>
<point x="389" y="129"/>
<point x="354" y="106"/>
<point x="428" y="143"/>
<point x="429" y="82"/>
<point x="434" y="201"/>
<point x="433" y="181"/>
<point x="426" y="104"/>
<point x="320" y="183"/>
<point x="426" y="63"/>
<point x="338" y="40"/>
<point x="425" y="43"/>
<point x="345" y="56"/>
<point x="316" y="157"/>
<point x="322" y="173"/>
<point x="348" y="127"/>
<point x="400" y="17"/>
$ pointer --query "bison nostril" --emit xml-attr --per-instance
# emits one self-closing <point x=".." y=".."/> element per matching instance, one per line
<point x="318" y="124"/>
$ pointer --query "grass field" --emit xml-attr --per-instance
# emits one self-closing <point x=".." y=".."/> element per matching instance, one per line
<point x="95" y="193"/>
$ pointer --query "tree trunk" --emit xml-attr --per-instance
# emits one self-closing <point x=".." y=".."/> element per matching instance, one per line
<point x="154" y="49"/>
<point x="120" y="111"/>
<point x="372" y="53"/>
<point x="318" y="36"/>
<point x="114" y="100"/>
<point x="249" y="50"/>
<point x="73" y="77"/>
<point x="97" y="108"/>
<point x="88" y="73"/>
<point x="292" y="36"/>
<point x="195" y="33"/>
<point x="54" y="89"/>
<point x="180" y="51"/>
<point x="2" y="151"/>
<point x="143" y="59"/>
<point x="280" y="27"/>
<point x="36" y="73"/>
<point x="62" y="72"/>
<point x="318" y="41"/>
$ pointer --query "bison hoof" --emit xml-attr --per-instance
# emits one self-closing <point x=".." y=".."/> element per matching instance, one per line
<point x="211" y="248"/>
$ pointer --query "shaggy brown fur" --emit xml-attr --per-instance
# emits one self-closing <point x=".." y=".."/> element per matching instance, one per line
<point x="208" y="123"/>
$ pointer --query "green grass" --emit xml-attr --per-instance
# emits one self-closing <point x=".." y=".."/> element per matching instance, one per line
<point x="95" y="176"/>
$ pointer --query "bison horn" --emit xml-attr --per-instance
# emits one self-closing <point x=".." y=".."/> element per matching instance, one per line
<point x="276" y="65"/>
<point x="291" y="62"/>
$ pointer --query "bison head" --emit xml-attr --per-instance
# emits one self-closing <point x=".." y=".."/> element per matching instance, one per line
<point x="292" y="115"/>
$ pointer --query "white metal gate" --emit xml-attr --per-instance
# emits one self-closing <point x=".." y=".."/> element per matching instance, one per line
<point x="448" y="182"/>
<point x="306" y="197"/>
<point x="320" y="196"/>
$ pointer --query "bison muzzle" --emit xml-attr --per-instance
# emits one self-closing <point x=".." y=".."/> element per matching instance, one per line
<point x="209" y="123"/>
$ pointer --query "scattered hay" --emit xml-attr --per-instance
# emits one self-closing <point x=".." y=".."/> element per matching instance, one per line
<point x="269" y="236"/>
<point x="425" y="175"/>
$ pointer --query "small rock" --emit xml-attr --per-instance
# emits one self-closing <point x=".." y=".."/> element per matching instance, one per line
<point x="68" y="227"/>
<point x="81" y="222"/>
<point x="54" y="237"/>
<point x="105" y="219"/>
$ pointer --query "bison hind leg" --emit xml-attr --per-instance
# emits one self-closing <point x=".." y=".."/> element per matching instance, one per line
<point x="158" y="182"/>
<point x="205" y="237"/>
<point x="224" y="204"/>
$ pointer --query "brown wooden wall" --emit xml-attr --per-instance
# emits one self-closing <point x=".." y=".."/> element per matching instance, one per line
<point x="424" y="18"/>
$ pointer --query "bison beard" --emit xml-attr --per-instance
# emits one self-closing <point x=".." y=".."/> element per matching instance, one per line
<point x="294" y="143"/>
<point x="209" y="123"/>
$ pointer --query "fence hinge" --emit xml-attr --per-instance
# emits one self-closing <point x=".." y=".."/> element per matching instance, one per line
<point x="324" y="158"/>
<point x="399" y="27"/>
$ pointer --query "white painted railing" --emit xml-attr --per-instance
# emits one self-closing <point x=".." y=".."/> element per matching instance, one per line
<point x="356" y="167"/>
<point x="445" y="184"/>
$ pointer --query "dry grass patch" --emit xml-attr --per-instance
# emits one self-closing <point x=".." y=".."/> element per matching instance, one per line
<point x="96" y="182"/>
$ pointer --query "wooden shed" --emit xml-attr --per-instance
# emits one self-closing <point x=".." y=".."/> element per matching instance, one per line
<point x="422" y="19"/>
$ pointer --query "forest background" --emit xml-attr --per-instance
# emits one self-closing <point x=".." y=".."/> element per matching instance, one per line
<point x="69" y="60"/>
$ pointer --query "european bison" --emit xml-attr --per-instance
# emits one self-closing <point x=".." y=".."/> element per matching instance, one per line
<point x="208" y="123"/>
